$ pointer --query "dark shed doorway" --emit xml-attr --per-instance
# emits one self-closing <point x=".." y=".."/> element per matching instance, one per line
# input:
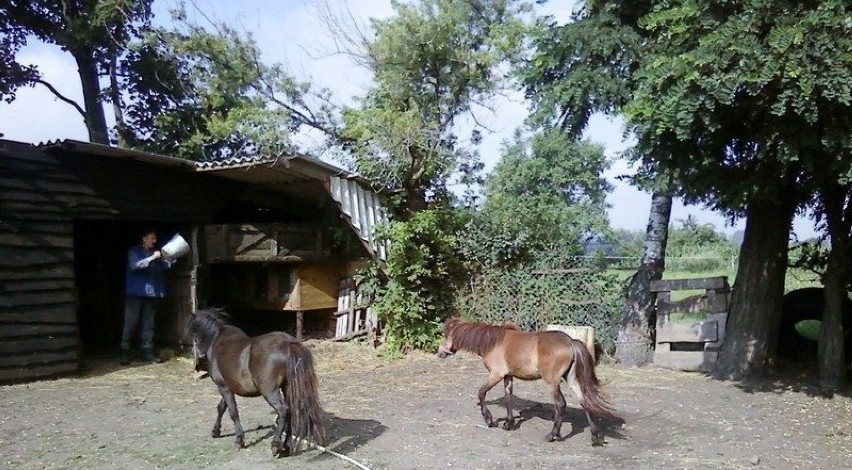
<point x="100" y="257"/>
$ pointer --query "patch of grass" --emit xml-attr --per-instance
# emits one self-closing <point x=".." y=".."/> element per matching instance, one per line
<point x="687" y="317"/>
<point x="809" y="329"/>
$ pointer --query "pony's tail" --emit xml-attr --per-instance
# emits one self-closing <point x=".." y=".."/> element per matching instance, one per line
<point x="592" y="398"/>
<point x="300" y="392"/>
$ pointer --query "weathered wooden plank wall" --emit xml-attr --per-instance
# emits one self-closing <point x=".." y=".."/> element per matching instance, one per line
<point x="39" y="335"/>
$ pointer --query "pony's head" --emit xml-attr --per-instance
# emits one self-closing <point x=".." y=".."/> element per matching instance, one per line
<point x="203" y="327"/>
<point x="446" y="347"/>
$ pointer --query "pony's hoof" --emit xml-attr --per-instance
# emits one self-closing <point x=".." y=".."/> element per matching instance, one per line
<point x="279" y="450"/>
<point x="552" y="437"/>
<point x="241" y="444"/>
<point x="491" y="424"/>
<point x="216" y="433"/>
<point x="508" y="425"/>
<point x="598" y="440"/>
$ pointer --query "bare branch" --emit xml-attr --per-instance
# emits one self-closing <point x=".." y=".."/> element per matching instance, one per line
<point x="61" y="97"/>
<point x="346" y="34"/>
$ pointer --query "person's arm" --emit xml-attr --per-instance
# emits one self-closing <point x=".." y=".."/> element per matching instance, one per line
<point x="137" y="263"/>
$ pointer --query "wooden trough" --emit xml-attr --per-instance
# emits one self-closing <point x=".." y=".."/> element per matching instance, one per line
<point x="586" y="334"/>
<point x="690" y="331"/>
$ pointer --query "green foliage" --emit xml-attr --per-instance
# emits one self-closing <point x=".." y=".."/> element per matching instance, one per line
<point x="203" y="93"/>
<point x="422" y="269"/>
<point x="94" y="32"/>
<point x="722" y="96"/>
<point x="694" y="248"/>
<point x="747" y="93"/>
<point x="186" y="91"/>
<point x="580" y="68"/>
<point x="545" y="195"/>
<point x="555" y="290"/>
<point x="432" y="61"/>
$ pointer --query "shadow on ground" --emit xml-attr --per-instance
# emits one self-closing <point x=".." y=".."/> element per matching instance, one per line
<point x="345" y="435"/>
<point x="574" y="417"/>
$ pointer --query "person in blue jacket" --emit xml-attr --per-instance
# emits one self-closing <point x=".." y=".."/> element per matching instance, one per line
<point x="145" y="286"/>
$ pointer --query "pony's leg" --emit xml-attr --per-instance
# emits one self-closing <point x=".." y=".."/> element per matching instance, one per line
<point x="489" y="384"/>
<point x="559" y="405"/>
<point x="217" y="426"/>
<point x="510" y="418"/>
<point x="594" y="430"/>
<point x="231" y="403"/>
<point x="279" y="448"/>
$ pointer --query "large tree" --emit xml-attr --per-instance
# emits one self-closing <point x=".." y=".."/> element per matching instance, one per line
<point x="585" y="67"/>
<point x="433" y="62"/>
<point x="717" y="94"/>
<point x="203" y="92"/>
<point x="189" y="90"/>
<point x="545" y="195"/>
<point x="727" y="106"/>
<point x="94" y="32"/>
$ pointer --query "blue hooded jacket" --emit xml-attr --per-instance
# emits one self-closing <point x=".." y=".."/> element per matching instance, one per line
<point x="145" y="279"/>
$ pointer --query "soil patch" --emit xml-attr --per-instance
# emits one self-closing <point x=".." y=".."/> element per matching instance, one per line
<point x="420" y="413"/>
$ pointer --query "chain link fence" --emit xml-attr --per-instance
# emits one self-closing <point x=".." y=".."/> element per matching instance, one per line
<point x="573" y="291"/>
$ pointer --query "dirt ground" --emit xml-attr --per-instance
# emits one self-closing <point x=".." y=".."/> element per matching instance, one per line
<point x="420" y="413"/>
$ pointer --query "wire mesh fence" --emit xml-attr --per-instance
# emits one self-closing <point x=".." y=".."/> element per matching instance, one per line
<point x="573" y="291"/>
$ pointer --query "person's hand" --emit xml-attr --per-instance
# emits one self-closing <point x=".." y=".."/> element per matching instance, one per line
<point x="156" y="255"/>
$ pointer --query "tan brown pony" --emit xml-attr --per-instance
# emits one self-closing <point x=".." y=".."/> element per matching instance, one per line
<point x="552" y="356"/>
<point x="275" y="366"/>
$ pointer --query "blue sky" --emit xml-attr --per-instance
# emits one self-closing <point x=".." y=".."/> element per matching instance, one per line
<point x="294" y="34"/>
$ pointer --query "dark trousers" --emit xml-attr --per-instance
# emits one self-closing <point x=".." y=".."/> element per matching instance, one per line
<point x="139" y="310"/>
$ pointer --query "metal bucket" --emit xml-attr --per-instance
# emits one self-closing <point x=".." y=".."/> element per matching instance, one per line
<point x="175" y="248"/>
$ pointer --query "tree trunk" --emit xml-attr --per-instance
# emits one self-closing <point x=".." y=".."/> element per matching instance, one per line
<point x="115" y="97"/>
<point x="753" y="319"/>
<point x="832" y="364"/>
<point x="95" y="119"/>
<point x="635" y="339"/>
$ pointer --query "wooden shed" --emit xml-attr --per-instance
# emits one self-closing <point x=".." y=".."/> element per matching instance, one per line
<point x="70" y="210"/>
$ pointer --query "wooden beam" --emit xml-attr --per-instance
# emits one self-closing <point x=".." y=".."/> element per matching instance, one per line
<point x="352" y="335"/>
<point x="718" y="282"/>
<point x="300" y="324"/>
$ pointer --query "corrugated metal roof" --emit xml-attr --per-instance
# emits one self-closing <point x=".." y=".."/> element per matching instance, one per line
<point x="108" y="151"/>
<point x="236" y="162"/>
<point x="363" y="211"/>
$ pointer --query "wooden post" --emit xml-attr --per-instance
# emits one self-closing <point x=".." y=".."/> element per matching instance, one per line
<point x="300" y="324"/>
<point x="353" y="321"/>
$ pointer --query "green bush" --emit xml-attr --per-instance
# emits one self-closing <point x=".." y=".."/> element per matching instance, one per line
<point x="423" y="269"/>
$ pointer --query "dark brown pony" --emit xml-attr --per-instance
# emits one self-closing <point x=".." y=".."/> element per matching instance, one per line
<point x="548" y="355"/>
<point x="275" y="366"/>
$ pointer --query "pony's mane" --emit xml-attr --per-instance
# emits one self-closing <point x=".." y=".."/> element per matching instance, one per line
<point x="478" y="338"/>
<point x="204" y="325"/>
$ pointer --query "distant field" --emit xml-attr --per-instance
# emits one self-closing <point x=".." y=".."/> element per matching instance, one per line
<point x="796" y="279"/>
